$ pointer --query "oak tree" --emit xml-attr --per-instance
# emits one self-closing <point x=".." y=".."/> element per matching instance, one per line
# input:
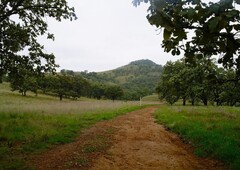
<point x="113" y="92"/>
<point x="198" y="28"/>
<point x="21" y="23"/>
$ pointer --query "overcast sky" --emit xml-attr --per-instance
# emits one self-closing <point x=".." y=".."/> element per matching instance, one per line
<point x="107" y="34"/>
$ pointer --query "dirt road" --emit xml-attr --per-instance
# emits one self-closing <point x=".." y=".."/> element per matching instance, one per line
<point x="132" y="141"/>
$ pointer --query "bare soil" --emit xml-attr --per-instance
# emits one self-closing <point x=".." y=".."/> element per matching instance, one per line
<point x="132" y="141"/>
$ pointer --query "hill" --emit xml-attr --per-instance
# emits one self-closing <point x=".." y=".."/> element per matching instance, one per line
<point x="138" y="78"/>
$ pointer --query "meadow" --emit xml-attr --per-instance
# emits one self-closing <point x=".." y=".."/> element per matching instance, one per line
<point x="213" y="131"/>
<point x="32" y="123"/>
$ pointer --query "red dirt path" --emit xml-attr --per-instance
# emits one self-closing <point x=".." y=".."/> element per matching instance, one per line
<point x="132" y="141"/>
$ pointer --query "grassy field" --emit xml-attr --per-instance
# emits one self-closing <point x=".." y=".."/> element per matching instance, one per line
<point x="213" y="131"/>
<point x="152" y="98"/>
<point x="33" y="123"/>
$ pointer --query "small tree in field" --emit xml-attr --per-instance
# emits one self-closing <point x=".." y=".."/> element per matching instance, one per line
<point x="24" y="81"/>
<point x="113" y="92"/>
<point x="98" y="90"/>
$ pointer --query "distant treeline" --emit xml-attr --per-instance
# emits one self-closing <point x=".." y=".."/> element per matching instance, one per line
<point x="64" y="84"/>
<point x="130" y="82"/>
<point x="203" y="81"/>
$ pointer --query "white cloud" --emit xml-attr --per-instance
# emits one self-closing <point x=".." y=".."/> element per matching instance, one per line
<point x="107" y="34"/>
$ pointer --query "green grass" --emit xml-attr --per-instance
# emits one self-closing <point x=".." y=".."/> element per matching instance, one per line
<point x="153" y="97"/>
<point x="214" y="131"/>
<point x="33" y="123"/>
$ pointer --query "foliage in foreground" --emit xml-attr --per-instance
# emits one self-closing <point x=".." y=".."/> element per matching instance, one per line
<point x="214" y="131"/>
<point x="21" y="23"/>
<point x="198" y="28"/>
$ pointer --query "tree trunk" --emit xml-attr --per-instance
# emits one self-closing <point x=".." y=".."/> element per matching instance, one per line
<point x="184" y="101"/>
<point x="193" y="102"/>
<point x="60" y="97"/>
<point x="205" y="102"/>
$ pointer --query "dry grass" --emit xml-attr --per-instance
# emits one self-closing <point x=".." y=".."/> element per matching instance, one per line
<point x="13" y="102"/>
<point x="67" y="107"/>
<point x="33" y="123"/>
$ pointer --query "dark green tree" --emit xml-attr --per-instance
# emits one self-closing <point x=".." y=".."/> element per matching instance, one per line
<point x="98" y="90"/>
<point x="23" y="81"/>
<point x="61" y="85"/>
<point x="230" y="94"/>
<point x="204" y="76"/>
<point x="198" y="81"/>
<point x="21" y="23"/>
<point x="45" y="83"/>
<point x="169" y="84"/>
<point x="113" y="92"/>
<point x="64" y="85"/>
<point x="199" y="29"/>
<point x="80" y="86"/>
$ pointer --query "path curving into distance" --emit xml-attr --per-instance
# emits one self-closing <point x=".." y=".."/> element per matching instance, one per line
<point x="131" y="142"/>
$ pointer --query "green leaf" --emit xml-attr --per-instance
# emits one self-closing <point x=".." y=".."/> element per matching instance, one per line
<point x="199" y="56"/>
<point x="236" y="27"/>
<point x="166" y="34"/>
<point x="226" y="3"/>
<point x="178" y="51"/>
<point x="173" y="52"/>
<point x="232" y="14"/>
<point x="213" y="24"/>
<point x="180" y="34"/>
<point x="159" y="5"/>
<point x="168" y="28"/>
<point x="156" y="20"/>
<point x="215" y="8"/>
<point x="191" y="13"/>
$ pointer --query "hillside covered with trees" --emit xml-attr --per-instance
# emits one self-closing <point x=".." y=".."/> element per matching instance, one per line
<point x="137" y="79"/>
<point x="130" y="82"/>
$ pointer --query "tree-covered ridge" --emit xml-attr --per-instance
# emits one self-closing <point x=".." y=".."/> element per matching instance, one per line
<point x="138" y="78"/>
<point x="133" y="71"/>
<point x="143" y="62"/>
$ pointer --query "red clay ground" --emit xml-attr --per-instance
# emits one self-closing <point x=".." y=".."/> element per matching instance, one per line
<point x="131" y="141"/>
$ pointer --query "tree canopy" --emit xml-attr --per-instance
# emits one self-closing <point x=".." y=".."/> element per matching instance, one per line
<point x="198" y="29"/>
<point x="203" y="82"/>
<point x="21" y="23"/>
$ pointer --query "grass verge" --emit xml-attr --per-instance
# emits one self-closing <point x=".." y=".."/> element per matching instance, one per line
<point x="213" y="131"/>
<point x="23" y="133"/>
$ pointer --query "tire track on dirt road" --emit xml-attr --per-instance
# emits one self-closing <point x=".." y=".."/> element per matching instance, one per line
<point x="141" y="143"/>
<point x="135" y="142"/>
